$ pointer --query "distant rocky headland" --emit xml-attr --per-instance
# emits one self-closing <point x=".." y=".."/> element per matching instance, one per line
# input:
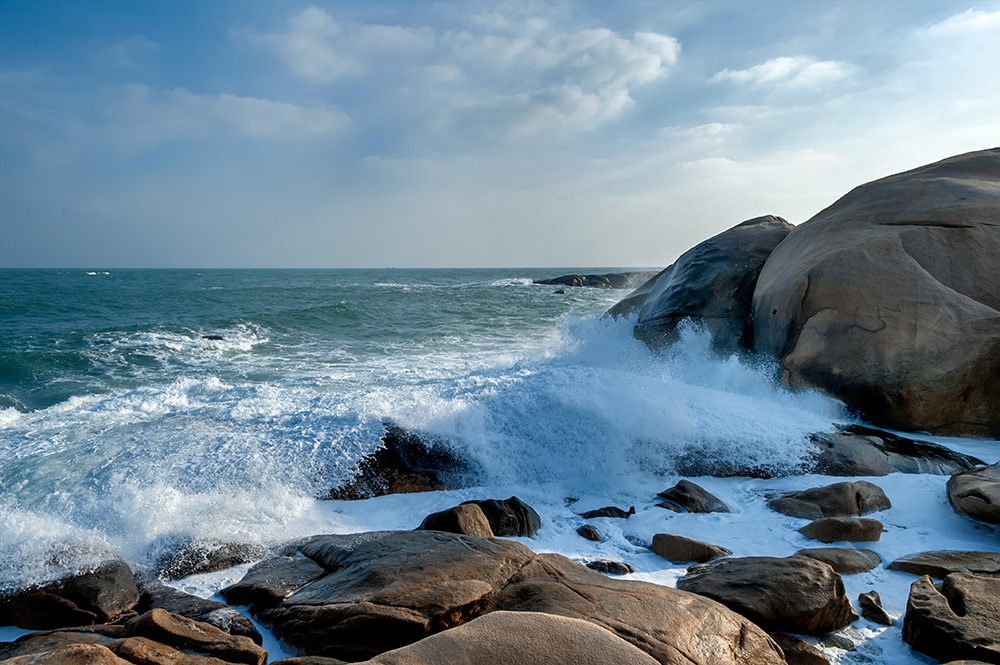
<point x="614" y="280"/>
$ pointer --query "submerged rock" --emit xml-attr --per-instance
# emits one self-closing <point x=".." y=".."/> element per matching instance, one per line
<point x="609" y="511"/>
<point x="589" y="532"/>
<point x="798" y="652"/>
<point x="194" y="557"/>
<point x="889" y="299"/>
<point x="976" y="494"/>
<point x="871" y="608"/>
<point x="611" y="567"/>
<point x="837" y="500"/>
<point x="686" y="496"/>
<point x="959" y="620"/>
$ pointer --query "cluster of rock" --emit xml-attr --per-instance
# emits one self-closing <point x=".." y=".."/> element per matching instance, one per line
<point x="888" y="300"/>
<point x="614" y="280"/>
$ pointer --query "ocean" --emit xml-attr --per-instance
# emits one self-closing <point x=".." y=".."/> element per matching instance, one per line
<point x="144" y="408"/>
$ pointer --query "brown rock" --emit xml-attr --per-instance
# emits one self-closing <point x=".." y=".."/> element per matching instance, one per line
<point x="856" y="450"/>
<point x="589" y="532"/>
<point x="211" y="612"/>
<point x="679" y="548"/>
<point x="691" y="498"/>
<point x="798" y="652"/>
<point x="844" y="561"/>
<point x="976" y="494"/>
<point x="510" y="517"/>
<point x="890" y="299"/>
<point x="147" y="652"/>
<point x="871" y="608"/>
<point x="939" y="563"/>
<point x="271" y="581"/>
<point x="609" y="511"/>
<point x="961" y="620"/>
<point x="37" y="643"/>
<point x="186" y="634"/>
<point x="837" y="500"/>
<point x="309" y="660"/>
<point x="74" y="654"/>
<point x="467" y="519"/>
<point x="797" y="594"/>
<point x="611" y="567"/>
<point x="837" y="529"/>
<point x="194" y="557"/>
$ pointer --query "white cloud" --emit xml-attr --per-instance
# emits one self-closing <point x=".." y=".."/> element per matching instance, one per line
<point x="143" y="116"/>
<point x="800" y="72"/>
<point x="972" y="22"/>
<point x="130" y="51"/>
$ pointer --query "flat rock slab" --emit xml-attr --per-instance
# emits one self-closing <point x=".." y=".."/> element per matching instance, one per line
<point x="844" y="561"/>
<point x="856" y="450"/>
<point x="688" y="497"/>
<point x="843" y="529"/>
<point x="390" y="589"/>
<point x="796" y="594"/>
<point x="976" y="494"/>
<point x="272" y="580"/>
<point x="959" y="620"/>
<point x="940" y="563"/>
<point x="850" y="499"/>
<point x="679" y="548"/>
<point x="220" y="615"/>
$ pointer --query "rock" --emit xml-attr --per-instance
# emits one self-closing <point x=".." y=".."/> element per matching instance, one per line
<point x="837" y="500"/>
<point x="148" y="652"/>
<point x="194" y="557"/>
<point x="837" y="529"/>
<point x="74" y="654"/>
<point x="212" y="338"/>
<point x="405" y="463"/>
<point x="939" y="563"/>
<point x="871" y="608"/>
<point x="309" y="660"/>
<point x="38" y="643"/>
<point x="510" y="517"/>
<point x="615" y="280"/>
<point x="961" y="620"/>
<point x="589" y="532"/>
<point x="608" y="511"/>
<point x="679" y="548"/>
<point x="844" y="561"/>
<point x="390" y="589"/>
<point x="467" y="519"/>
<point x="611" y="567"/>
<point x="890" y="299"/>
<point x="559" y="292"/>
<point x="855" y="450"/>
<point x="183" y="604"/>
<point x="798" y="652"/>
<point x="712" y="283"/>
<point x="976" y="494"/>
<point x="97" y="596"/>
<point x="796" y="594"/>
<point x="271" y="581"/>
<point x="188" y="635"/>
<point x="691" y="498"/>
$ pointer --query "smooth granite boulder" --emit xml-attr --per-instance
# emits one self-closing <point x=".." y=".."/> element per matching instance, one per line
<point x="271" y="581"/>
<point x="796" y="594"/>
<point x="211" y="612"/>
<point x="711" y="283"/>
<point x="959" y="620"/>
<point x="838" y="500"/>
<point x="847" y="529"/>
<point x="976" y="493"/>
<point x="679" y="548"/>
<point x="856" y="450"/>
<point x="688" y="497"/>
<point x="871" y="608"/>
<point x="613" y="280"/>
<point x="939" y="563"/>
<point x="890" y="299"/>
<point x="509" y="517"/>
<point x="844" y="561"/>
<point x="390" y="589"/>
<point x="467" y="519"/>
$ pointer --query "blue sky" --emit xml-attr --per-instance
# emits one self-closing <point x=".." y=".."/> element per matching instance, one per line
<point x="462" y="134"/>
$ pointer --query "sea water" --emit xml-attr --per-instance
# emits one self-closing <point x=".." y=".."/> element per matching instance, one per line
<point x="144" y="408"/>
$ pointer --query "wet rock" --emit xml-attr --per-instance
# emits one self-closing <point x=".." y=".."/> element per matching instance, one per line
<point x="38" y="643"/>
<point x="186" y="634"/>
<point x="271" y="581"/>
<point x="467" y="519"/>
<point x="691" y="498"/>
<point x="959" y="620"/>
<point x="837" y="500"/>
<point x="615" y="280"/>
<point x="844" y="561"/>
<point x="510" y="517"/>
<point x="405" y="463"/>
<point x="798" y="652"/>
<point x="94" y="597"/>
<point x="390" y="589"/>
<point x="837" y="529"/>
<point x="211" y="612"/>
<point x="871" y="608"/>
<point x="711" y="283"/>
<point x="939" y="563"/>
<point x="309" y="660"/>
<point x="73" y="654"/>
<point x="589" y="532"/>
<point x="976" y="494"/>
<point x="797" y="594"/>
<point x="194" y="557"/>
<point x="611" y="567"/>
<point x="679" y="548"/>
<point x="855" y="450"/>
<point x="609" y="511"/>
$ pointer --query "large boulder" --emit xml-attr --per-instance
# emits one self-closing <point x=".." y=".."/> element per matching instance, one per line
<point x="837" y="529"/>
<point x="890" y="299"/>
<point x="271" y="581"/>
<point x="712" y="283"/>
<point x="678" y="548"/>
<point x="796" y="594"/>
<point x="688" y="497"/>
<point x="183" y="604"/>
<point x="976" y="494"/>
<point x="509" y="517"/>
<point x="390" y="589"/>
<point x="940" y="563"/>
<point x="838" y="500"/>
<point x="959" y="620"/>
<point x="613" y="280"/>
<point x="856" y="450"/>
<point x="467" y="519"/>
<point x="844" y="561"/>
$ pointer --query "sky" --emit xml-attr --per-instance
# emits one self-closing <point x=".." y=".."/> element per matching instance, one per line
<point x="238" y="133"/>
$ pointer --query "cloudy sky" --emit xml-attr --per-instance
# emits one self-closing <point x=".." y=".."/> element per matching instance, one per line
<point x="462" y="134"/>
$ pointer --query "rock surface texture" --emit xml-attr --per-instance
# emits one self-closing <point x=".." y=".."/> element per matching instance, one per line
<point x="467" y="519"/>
<point x="848" y="529"/>
<point x="686" y="496"/>
<point x="961" y="620"/>
<point x="976" y="494"/>
<point x="797" y="594"/>
<point x="679" y="548"/>
<point x="711" y="283"/>
<point x="890" y="299"/>
<point x="940" y="563"/>
<point x="856" y="450"/>
<point x="844" y="561"/>
<point x="837" y="500"/>
<point x="387" y="590"/>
